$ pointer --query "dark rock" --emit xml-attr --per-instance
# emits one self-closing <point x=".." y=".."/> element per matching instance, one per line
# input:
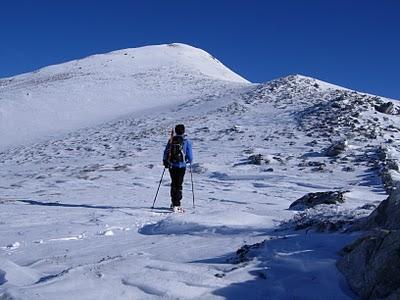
<point x="385" y="108"/>
<point x="392" y="165"/>
<point x="315" y="164"/>
<point x="336" y="148"/>
<point x="247" y="252"/>
<point x="278" y="159"/>
<point x="312" y="143"/>
<point x="386" y="215"/>
<point x="348" y="169"/>
<point x="256" y="159"/>
<point x="319" y="169"/>
<point x="248" y="151"/>
<point x="313" y="199"/>
<point x="371" y="265"/>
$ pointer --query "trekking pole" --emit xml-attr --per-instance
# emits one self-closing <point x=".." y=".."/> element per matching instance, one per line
<point x="191" y="178"/>
<point x="155" y="198"/>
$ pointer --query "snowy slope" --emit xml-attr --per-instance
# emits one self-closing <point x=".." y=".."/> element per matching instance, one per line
<point x="75" y="217"/>
<point x="102" y="87"/>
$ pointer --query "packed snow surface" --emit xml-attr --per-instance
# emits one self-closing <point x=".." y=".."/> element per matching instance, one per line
<point x="75" y="217"/>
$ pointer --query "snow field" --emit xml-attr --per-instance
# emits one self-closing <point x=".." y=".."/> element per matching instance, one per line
<point x="75" y="218"/>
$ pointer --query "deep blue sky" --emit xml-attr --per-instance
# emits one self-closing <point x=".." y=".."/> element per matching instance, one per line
<point x="354" y="43"/>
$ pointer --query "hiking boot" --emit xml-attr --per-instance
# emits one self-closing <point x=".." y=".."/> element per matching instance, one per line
<point x="177" y="209"/>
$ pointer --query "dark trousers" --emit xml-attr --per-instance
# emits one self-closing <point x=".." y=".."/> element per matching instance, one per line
<point x="177" y="175"/>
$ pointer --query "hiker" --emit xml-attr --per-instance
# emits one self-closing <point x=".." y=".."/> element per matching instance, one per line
<point x="177" y="154"/>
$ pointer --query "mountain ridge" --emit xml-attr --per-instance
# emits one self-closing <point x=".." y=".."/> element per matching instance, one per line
<point x="79" y="203"/>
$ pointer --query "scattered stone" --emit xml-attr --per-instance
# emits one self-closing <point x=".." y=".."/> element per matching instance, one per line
<point x="318" y="198"/>
<point x="278" y="159"/>
<point x="315" y="164"/>
<point x="248" y="151"/>
<point x="122" y="167"/>
<point x="348" y="169"/>
<point x="319" y="169"/>
<point x="312" y="143"/>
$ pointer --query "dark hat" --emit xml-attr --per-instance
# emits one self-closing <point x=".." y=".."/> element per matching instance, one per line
<point x="180" y="129"/>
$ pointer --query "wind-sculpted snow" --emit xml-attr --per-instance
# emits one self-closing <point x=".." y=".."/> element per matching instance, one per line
<point x="16" y="275"/>
<point x="234" y="223"/>
<point x="75" y="208"/>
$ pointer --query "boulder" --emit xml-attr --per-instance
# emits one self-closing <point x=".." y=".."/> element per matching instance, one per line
<point x="371" y="265"/>
<point x="255" y="159"/>
<point x="385" y="108"/>
<point x="313" y="199"/>
<point x="336" y="148"/>
<point x="386" y="215"/>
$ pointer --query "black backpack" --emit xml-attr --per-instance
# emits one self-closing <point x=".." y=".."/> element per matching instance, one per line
<point x="176" y="150"/>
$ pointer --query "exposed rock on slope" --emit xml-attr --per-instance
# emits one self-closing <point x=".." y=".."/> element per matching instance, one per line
<point x="327" y="218"/>
<point x="387" y="214"/>
<point x="336" y="148"/>
<point x="371" y="264"/>
<point x="386" y="108"/>
<point x="313" y="199"/>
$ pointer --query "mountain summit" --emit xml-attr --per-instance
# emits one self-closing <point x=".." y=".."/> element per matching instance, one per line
<point x="101" y="87"/>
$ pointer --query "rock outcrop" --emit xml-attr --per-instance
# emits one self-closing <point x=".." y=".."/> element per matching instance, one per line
<point x="371" y="264"/>
<point x="336" y="148"/>
<point x="385" y="216"/>
<point x="313" y="199"/>
<point x="385" y="108"/>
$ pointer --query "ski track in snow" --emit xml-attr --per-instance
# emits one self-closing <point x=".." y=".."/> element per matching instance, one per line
<point x="75" y="218"/>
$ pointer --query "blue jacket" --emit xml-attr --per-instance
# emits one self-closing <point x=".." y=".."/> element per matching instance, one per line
<point x="187" y="150"/>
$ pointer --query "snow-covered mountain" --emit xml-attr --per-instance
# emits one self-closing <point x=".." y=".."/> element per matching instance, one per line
<point x="75" y="217"/>
<point x="103" y="87"/>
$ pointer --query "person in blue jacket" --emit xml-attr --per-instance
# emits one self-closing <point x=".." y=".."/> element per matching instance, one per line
<point x="177" y="154"/>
